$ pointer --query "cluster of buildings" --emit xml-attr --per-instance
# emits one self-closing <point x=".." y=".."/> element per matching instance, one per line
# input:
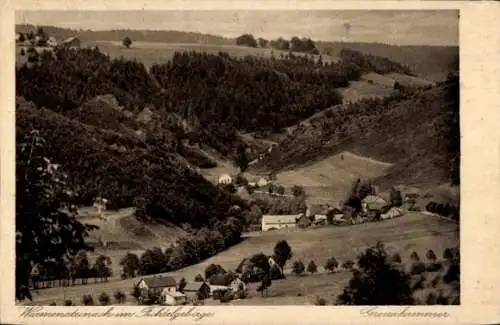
<point x="373" y="208"/>
<point x="47" y="43"/>
<point x="167" y="290"/>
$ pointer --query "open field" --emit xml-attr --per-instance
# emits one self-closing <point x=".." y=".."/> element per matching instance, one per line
<point x="413" y="232"/>
<point x="122" y="232"/>
<point x="157" y="53"/>
<point x="331" y="178"/>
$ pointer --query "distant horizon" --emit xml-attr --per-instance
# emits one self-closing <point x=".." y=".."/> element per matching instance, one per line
<point x="403" y="28"/>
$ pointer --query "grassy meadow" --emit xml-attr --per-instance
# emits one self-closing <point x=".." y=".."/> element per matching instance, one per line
<point x="412" y="232"/>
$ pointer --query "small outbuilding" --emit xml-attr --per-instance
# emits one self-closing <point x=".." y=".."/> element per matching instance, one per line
<point x="225" y="179"/>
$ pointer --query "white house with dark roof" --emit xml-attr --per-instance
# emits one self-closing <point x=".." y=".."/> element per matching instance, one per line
<point x="271" y="222"/>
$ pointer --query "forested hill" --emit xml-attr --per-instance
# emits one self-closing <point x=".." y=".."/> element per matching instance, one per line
<point x="430" y="62"/>
<point x="124" y="169"/>
<point x="418" y="132"/>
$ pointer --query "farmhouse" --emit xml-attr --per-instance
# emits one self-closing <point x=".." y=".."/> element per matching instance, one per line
<point x="52" y="42"/>
<point x="200" y="290"/>
<point x="274" y="222"/>
<point x="156" y="285"/>
<point x="172" y="298"/>
<point x="373" y="203"/>
<point x="262" y="182"/>
<point x="319" y="210"/>
<point x="225" y="179"/>
<point x="393" y="212"/>
<point x="72" y="43"/>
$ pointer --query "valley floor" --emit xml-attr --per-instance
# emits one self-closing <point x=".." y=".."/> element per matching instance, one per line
<point x="412" y="232"/>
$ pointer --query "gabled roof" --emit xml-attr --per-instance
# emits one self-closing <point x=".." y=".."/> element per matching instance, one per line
<point x="194" y="286"/>
<point x="70" y="39"/>
<point x="160" y="281"/>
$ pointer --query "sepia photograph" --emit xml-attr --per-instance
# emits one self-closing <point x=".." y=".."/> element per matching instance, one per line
<point x="237" y="158"/>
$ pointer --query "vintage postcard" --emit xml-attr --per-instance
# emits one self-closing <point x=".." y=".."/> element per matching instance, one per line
<point x="248" y="162"/>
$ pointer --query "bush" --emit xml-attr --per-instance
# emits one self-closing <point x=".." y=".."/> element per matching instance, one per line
<point x="419" y="282"/>
<point x="431" y="299"/>
<point x="418" y="268"/>
<point x="226" y="297"/>
<point x="198" y="278"/>
<point x="88" y="300"/>
<point x="434" y="267"/>
<point x="331" y="264"/>
<point x="53" y="303"/>
<point x="414" y="257"/>
<point x="104" y="299"/>
<point x="311" y="267"/>
<point x="431" y="256"/>
<point x="68" y="302"/>
<point x="348" y="265"/>
<point x="298" y="191"/>
<point x="213" y="269"/>
<point x="119" y="296"/>
<point x="136" y="293"/>
<point x="396" y="258"/>
<point x="377" y="282"/>
<point x="320" y="301"/>
<point x="298" y="267"/>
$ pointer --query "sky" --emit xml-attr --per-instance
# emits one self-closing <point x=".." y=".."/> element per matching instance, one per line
<point x="418" y="27"/>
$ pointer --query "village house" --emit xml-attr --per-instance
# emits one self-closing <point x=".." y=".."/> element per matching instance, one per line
<point x="318" y="211"/>
<point x="197" y="290"/>
<point x="72" y="43"/>
<point x="275" y="222"/>
<point x="225" y="179"/>
<point x="373" y="203"/>
<point x="262" y="182"/>
<point x="52" y="42"/>
<point x="172" y="298"/>
<point x="156" y="286"/>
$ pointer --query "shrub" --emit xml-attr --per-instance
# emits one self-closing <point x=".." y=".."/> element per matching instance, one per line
<point x="88" y="300"/>
<point x="396" y="258"/>
<point x="431" y="256"/>
<point x="68" y="302"/>
<point x="419" y="282"/>
<point x="320" y="301"/>
<point x="377" y="282"/>
<point x="226" y="297"/>
<point x="198" y="278"/>
<point x="298" y="191"/>
<point x="298" y="267"/>
<point x="136" y="293"/>
<point x="104" y="299"/>
<point x="431" y="299"/>
<point x="414" y="257"/>
<point x="311" y="267"/>
<point x="348" y="265"/>
<point x="53" y="303"/>
<point x="119" y="296"/>
<point x="213" y="269"/>
<point x="418" y="268"/>
<point x="331" y="264"/>
<point x="434" y="267"/>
